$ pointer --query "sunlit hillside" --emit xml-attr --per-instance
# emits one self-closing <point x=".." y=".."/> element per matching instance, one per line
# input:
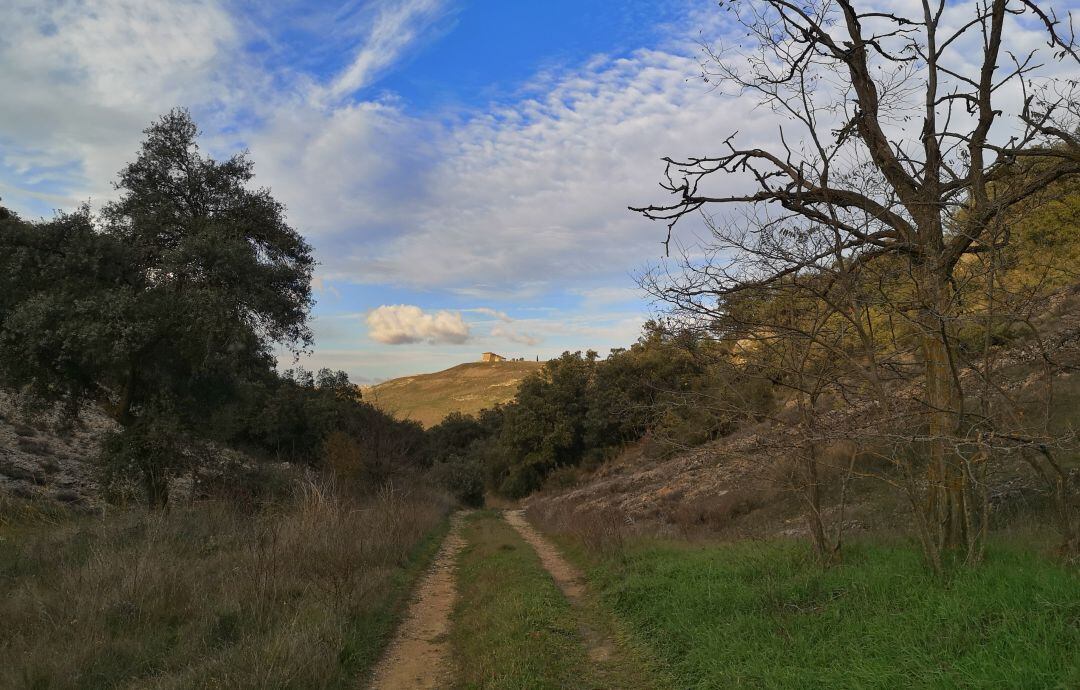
<point x="466" y="388"/>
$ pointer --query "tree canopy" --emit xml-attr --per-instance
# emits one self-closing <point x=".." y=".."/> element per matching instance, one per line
<point x="166" y="303"/>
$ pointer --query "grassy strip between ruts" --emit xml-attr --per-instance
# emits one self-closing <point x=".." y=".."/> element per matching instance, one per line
<point x="765" y="615"/>
<point x="513" y="628"/>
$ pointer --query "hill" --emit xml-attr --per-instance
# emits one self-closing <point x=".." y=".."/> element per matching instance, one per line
<point x="466" y="388"/>
<point x="745" y="485"/>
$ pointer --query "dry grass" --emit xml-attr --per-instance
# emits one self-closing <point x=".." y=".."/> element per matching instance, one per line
<point x="301" y="595"/>
<point x="714" y="512"/>
<point x="600" y="531"/>
<point x="466" y="388"/>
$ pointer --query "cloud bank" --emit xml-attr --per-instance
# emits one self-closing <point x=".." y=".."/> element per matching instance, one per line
<point x="401" y="324"/>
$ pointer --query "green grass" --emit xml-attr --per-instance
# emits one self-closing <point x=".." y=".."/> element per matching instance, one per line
<point x="764" y="615"/>
<point x="512" y="628"/>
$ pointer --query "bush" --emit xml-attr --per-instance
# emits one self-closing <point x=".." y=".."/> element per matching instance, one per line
<point x="149" y="453"/>
<point x="463" y="478"/>
<point x="344" y="457"/>
<point x="247" y="484"/>
<point x="521" y="481"/>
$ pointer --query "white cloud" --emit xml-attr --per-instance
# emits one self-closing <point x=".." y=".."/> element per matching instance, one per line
<point x="82" y="79"/>
<point x="605" y="295"/>
<point x="513" y="335"/>
<point x="494" y="313"/>
<point x="518" y="201"/>
<point x="405" y="323"/>
<point x="524" y="198"/>
<point x="394" y="28"/>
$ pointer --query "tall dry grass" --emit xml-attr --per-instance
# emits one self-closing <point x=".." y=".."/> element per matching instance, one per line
<point x="601" y="531"/>
<point x="298" y="595"/>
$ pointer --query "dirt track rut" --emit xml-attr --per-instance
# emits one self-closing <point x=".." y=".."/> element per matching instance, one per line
<point x="569" y="579"/>
<point x="419" y="656"/>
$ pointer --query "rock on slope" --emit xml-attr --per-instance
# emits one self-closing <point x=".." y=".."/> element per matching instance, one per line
<point x="42" y="459"/>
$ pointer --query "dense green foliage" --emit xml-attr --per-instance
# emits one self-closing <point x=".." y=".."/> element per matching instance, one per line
<point x="761" y="615"/>
<point x="166" y="309"/>
<point x="168" y="300"/>
<point x="577" y="410"/>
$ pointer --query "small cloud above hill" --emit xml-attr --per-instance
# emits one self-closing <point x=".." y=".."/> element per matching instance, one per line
<point x="400" y="324"/>
<point x="513" y="335"/>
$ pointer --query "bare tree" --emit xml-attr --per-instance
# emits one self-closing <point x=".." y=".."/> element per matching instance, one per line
<point x="850" y="186"/>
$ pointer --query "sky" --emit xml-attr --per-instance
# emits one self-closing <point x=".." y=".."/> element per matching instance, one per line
<point x="462" y="167"/>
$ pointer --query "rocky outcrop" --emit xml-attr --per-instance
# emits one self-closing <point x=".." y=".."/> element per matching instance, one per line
<point x="43" y="457"/>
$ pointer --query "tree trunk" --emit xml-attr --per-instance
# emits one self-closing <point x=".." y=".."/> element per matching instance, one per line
<point x="812" y="485"/>
<point x="127" y="397"/>
<point x="945" y="476"/>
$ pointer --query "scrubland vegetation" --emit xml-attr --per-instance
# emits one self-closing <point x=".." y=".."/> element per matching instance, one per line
<point x="884" y="311"/>
<point x="303" y="592"/>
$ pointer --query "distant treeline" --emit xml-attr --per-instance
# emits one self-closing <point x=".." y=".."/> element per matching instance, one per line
<point x="675" y="387"/>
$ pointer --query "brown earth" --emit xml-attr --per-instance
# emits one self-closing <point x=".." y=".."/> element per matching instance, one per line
<point x="419" y="655"/>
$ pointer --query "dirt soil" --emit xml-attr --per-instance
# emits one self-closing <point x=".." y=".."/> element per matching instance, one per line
<point x="569" y="579"/>
<point x="419" y="655"/>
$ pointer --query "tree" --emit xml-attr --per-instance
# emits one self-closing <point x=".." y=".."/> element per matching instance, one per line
<point x="849" y="188"/>
<point x="165" y="307"/>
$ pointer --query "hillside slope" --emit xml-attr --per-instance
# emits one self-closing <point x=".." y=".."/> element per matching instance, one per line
<point x="466" y="388"/>
<point x="740" y="486"/>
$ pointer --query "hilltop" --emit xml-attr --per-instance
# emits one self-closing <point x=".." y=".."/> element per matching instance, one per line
<point x="466" y="388"/>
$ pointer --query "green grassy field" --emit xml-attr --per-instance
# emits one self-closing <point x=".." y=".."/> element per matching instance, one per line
<point x="765" y="615"/>
<point x="466" y="388"/>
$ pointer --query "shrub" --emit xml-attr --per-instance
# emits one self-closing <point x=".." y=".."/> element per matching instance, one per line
<point x="151" y="452"/>
<point x="246" y="485"/>
<point x="463" y="478"/>
<point x="342" y="455"/>
<point x="714" y="511"/>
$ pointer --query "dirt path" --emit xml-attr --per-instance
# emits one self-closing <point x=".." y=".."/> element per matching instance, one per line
<point x="569" y="579"/>
<point x="419" y="655"/>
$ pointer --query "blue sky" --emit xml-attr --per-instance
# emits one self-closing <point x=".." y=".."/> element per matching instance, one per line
<point x="462" y="167"/>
